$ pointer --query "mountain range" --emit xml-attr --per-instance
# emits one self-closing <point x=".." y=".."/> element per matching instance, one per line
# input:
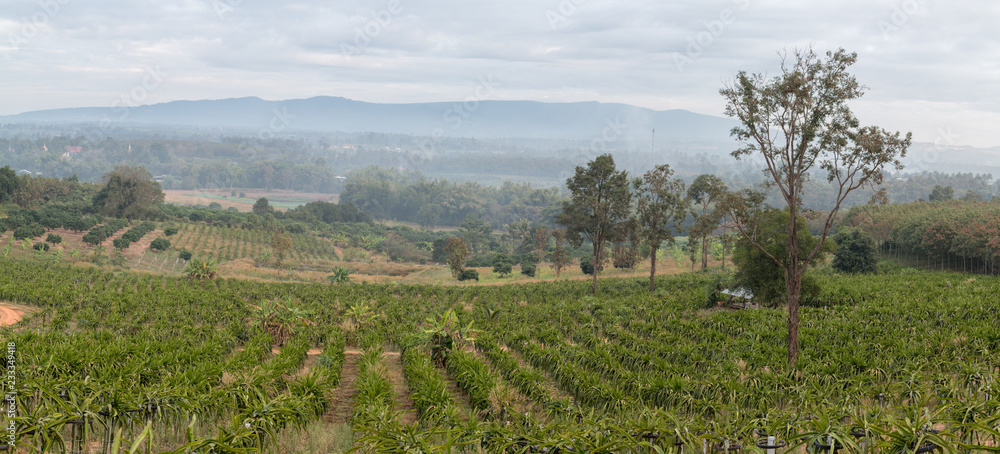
<point x="484" y="119"/>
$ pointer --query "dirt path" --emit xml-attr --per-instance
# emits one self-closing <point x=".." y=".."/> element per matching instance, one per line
<point x="342" y="407"/>
<point x="10" y="315"/>
<point x="394" y="364"/>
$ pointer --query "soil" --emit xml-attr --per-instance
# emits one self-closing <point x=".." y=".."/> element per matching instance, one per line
<point x="342" y="407"/>
<point x="10" y="315"/>
<point x="403" y="403"/>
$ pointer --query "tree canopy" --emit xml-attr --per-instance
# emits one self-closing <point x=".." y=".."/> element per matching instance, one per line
<point x="797" y="121"/>
<point x="128" y="191"/>
<point x="600" y="204"/>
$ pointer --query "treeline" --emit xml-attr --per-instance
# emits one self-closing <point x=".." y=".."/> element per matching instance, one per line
<point x="956" y="234"/>
<point x="409" y="196"/>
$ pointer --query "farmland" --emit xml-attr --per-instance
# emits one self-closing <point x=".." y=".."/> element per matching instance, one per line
<point x="902" y="360"/>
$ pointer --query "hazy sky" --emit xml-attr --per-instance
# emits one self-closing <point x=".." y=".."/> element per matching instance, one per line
<point x="932" y="66"/>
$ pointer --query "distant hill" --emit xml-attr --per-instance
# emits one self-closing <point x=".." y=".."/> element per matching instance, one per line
<point x="485" y="119"/>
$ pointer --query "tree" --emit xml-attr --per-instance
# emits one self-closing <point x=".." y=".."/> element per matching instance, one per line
<point x="541" y="237"/>
<point x="128" y="191"/>
<point x="159" y="244"/>
<point x="941" y="193"/>
<point x="281" y="243"/>
<point x="560" y="256"/>
<point x="456" y="252"/>
<point x="262" y="206"/>
<point x="660" y="210"/>
<point x="705" y="191"/>
<point x="855" y="253"/>
<point x="796" y="121"/>
<point x="600" y="203"/>
<point x="501" y="265"/>
<point x="972" y="196"/>
<point x="475" y="232"/>
<point x="758" y="273"/>
<point x="9" y="184"/>
<point x="429" y="215"/>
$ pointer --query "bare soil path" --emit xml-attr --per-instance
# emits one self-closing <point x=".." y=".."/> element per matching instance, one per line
<point x="403" y="403"/>
<point x="10" y="315"/>
<point x="343" y="398"/>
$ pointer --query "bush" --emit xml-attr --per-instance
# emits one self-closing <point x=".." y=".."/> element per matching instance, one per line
<point x="587" y="265"/>
<point x="468" y="275"/>
<point x="121" y="243"/>
<point x="32" y="231"/>
<point x="160" y="244"/>
<point x="41" y="247"/>
<point x="855" y="252"/>
<point x="53" y="238"/>
<point x="501" y="265"/>
<point x="528" y="269"/>
<point x="170" y="231"/>
<point x="185" y="255"/>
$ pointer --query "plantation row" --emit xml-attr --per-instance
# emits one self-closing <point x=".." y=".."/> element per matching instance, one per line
<point x="893" y="363"/>
<point x="954" y="235"/>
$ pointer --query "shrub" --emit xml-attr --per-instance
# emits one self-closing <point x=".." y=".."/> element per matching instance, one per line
<point x="587" y="265"/>
<point x="468" y="275"/>
<point x="41" y="247"/>
<point x="855" y="252"/>
<point x="53" y="238"/>
<point x="160" y="244"/>
<point x="32" y="231"/>
<point x="121" y="243"/>
<point x="528" y="269"/>
<point x="170" y="231"/>
<point x="185" y="255"/>
<point x="501" y="265"/>
<point x="215" y="206"/>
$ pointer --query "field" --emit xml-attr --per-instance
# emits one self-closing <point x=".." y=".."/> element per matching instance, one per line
<point x="890" y="363"/>
<point x="281" y="200"/>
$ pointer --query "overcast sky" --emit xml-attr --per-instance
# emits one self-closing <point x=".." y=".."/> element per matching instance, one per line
<point x="932" y="66"/>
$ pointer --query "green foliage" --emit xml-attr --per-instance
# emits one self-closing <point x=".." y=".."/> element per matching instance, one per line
<point x="502" y="265"/>
<point x="201" y="269"/>
<point x="121" y="243"/>
<point x="528" y="269"/>
<point x="184" y="255"/>
<point x="600" y="204"/>
<point x="340" y="275"/>
<point x="128" y="192"/>
<point x="855" y="252"/>
<point x="53" y="238"/>
<point x="44" y="247"/>
<point x="941" y="194"/>
<point x="262" y="206"/>
<point x="9" y="184"/>
<point x="159" y="244"/>
<point x="469" y="275"/>
<point x="457" y="252"/>
<point x="32" y="231"/>
<point x="587" y="265"/>
<point x="170" y="231"/>
<point x="758" y="272"/>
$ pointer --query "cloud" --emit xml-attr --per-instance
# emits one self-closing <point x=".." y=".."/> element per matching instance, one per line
<point x="936" y="58"/>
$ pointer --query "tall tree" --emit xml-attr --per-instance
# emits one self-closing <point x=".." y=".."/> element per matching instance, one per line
<point x="660" y="209"/>
<point x="796" y="121"/>
<point x="127" y="192"/>
<point x="541" y="237"/>
<point x="560" y="256"/>
<point x="262" y="206"/>
<point x="281" y="243"/>
<point x="705" y="191"/>
<point x="457" y="252"/>
<point x="601" y="202"/>
<point x="9" y="184"/>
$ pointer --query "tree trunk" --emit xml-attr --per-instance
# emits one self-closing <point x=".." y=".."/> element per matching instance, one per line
<point x="793" y="286"/>
<point x="704" y="252"/>
<point x="652" y="270"/>
<point x="595" y="260"/>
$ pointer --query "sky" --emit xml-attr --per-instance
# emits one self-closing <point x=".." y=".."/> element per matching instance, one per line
<point x="932" y="67"/>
